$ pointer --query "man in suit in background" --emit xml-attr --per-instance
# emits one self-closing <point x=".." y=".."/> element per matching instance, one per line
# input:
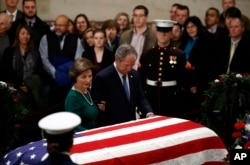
<point x="5" y="24"/>
<point x="12" y="10"/>
<point x="235" y="52"/>
<point x="39" y="28"/>
<point x="181" y="14"/>
<point x="117" y="89"/>
<point x="15" y="14"/>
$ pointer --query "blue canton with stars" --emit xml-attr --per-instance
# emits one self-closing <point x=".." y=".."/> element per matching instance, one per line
<point x="29" y="154"/>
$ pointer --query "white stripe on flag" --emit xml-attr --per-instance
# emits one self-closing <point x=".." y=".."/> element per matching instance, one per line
<point x="128" y="130"/>
<point x="144" y="145"/>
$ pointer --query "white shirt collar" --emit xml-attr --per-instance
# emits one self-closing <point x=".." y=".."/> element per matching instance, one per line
<point x="14" y="14"/>
<point x="119" y="73"/>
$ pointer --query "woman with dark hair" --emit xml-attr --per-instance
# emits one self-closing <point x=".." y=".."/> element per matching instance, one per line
<point x="111" y="28"/>
<point x="22" y="66"/>
<point x="197" y="44"/>
<point x="177" y="34"/>
<point x="81" y="24"/>
<point x="71" y="26"/>
<point x="79" y="100"/>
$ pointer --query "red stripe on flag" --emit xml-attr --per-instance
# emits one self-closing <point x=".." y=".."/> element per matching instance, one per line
<point x="124" y="125"/>
<point x="134" y="137"/>
<point x="167" y="153"/>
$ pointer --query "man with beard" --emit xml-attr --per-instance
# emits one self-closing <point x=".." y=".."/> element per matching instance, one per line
<point x="58" y="50"/>
<point x="39" y="28"/>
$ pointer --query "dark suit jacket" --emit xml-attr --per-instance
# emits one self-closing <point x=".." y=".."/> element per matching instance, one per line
<point x="18" y="15"/>
<point x="107" y="59"/>
<point x="39" y="29"/>
<point x="12" y="30"/>
<point x="107" y="86"/>
<point x="241" y="58"/>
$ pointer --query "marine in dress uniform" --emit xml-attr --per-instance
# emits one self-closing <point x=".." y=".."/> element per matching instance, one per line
<point x="163" y="73"/>
<point x="58" y="129"/>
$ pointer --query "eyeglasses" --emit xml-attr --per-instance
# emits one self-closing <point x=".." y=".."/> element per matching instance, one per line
<point x="138" y="16"/>
<point x="60" y="25"/>
<point x="176" y="31"/>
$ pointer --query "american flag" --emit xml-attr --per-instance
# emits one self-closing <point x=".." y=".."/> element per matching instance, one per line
<point x="156" y="140"/>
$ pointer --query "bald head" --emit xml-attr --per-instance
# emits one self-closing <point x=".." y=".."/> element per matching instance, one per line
<point x="61" y="24"/>
<point x="5" y="23"/>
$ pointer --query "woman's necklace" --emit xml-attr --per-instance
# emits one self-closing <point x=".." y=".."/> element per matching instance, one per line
<point x="91" y="101"/>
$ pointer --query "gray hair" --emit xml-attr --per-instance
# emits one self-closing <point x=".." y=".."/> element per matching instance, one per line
<point x="124" y="50"/>
<point x="7" y="18"/>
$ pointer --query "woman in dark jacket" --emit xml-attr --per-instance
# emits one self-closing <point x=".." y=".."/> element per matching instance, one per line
<point x="22" y="66"/>
<point x="99" y="55"/>
<point x="197" y="45"/>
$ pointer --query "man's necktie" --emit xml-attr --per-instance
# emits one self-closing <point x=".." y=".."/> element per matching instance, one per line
<point x="11" y="17"/>
<point x="125" y="86"/>
<point x="30" y="24"/>
<point x="232" y="50"/>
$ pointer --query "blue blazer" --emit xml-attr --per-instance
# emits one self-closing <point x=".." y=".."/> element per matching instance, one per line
<point x="107" y="86"/>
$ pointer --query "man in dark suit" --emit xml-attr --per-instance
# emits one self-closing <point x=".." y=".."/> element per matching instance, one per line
<point x="15" y="14"/>
<point x="235" y="55"/>
<point x="11" y="9"/>
<point x="109" y="89"/>
<point x="39" y="28"/>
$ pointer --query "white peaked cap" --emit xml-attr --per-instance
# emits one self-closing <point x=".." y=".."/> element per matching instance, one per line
<point x="162" y="23"/>
<point x="59" y="122"/>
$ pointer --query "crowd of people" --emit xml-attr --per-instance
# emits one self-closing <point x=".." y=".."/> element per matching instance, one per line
<point x="139" y="69"/>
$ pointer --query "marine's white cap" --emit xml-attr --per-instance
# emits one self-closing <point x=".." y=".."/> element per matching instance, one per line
<point x="164" y="25"/>
<point x="59" y="123"/>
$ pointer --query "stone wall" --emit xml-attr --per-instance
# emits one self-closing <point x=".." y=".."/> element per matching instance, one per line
<point x="100" y="10"/>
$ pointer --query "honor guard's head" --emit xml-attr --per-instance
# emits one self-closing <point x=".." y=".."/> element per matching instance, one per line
<point x="58" y="129"/>
<point x="59" y="123"/>
<point x="164" y="25"/>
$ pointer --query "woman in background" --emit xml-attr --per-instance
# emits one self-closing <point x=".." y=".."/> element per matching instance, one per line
<point x="88" y="38"/>
<point x="22" y="66"/>
<point x="71" y="26"/>
<point x="99" y="55"/>
<point x="122" y="20"/>
<point x="111" y="28"/>
<point x="177" y="34"/>
<point x="197" y="44"/>
<point x="79" y="100"/>
<point x="81" y="24"/>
